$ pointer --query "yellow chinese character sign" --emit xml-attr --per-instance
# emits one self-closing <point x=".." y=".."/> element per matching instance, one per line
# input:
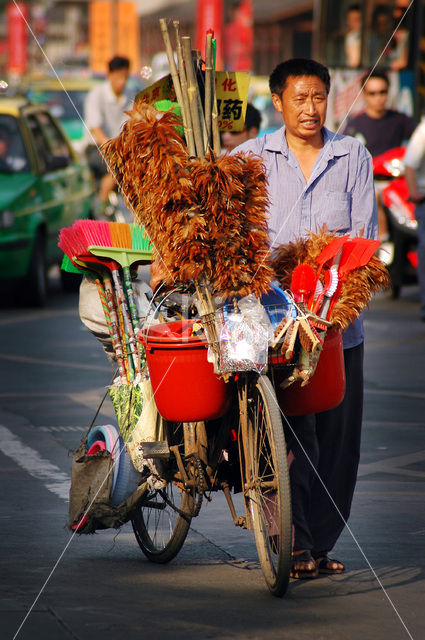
<point x="232" y="95"/>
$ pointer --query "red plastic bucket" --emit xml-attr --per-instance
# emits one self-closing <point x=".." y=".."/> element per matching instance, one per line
<point x="185" y="387"/>
<point x="326" y="388"/>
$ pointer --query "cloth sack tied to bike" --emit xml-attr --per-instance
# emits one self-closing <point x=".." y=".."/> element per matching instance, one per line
<point x="90" y="506"/>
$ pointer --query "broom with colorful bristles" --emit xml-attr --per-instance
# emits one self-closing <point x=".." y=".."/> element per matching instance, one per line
<point x="128" y="246"/>
<point x="115" y="244"/>
<point x="72" y="244"/>
<point x="100" y="238"/>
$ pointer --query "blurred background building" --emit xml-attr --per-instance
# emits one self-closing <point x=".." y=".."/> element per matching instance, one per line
<point x="77" y="36"/>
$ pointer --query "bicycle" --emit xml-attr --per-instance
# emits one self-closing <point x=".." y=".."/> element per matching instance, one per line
<point x="238" y="444"/>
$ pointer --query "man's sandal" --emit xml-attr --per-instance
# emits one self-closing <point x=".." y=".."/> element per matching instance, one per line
<point x="303" y="566"/>
<point x="329" y="566"/>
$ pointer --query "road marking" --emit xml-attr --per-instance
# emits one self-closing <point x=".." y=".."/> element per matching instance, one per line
<point x="36" y="316"/>
<point x="53" y="478"/>
<point x="394" y="465"/>
<point x="55" y="363"/>
<point x="395" y="392"/>
<point x="62" y="428"/>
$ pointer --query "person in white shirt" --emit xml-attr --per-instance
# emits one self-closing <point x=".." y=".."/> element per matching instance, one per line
<point x="104" y="113"/>
<point x="414" y="172"/>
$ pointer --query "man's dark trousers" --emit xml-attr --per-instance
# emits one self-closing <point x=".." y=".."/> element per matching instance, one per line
<point x="326" y="447"/>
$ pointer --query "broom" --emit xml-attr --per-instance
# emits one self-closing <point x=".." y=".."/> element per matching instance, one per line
<point x="71" y="243"/>
<point x="97" y="234"/>
<point x="129" y="245"/>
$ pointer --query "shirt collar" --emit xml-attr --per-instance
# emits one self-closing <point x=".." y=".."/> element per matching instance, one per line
<point x="111" y="97"/>
<point x="333" y="143"/>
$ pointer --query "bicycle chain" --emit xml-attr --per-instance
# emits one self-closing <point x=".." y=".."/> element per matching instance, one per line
<point x="200" y="488"/>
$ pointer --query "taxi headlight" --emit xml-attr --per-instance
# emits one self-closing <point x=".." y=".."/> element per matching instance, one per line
<point x="7" y="219"/>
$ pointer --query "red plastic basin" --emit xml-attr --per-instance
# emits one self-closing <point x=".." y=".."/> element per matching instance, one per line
<point x="185" y="387"/>
<point x="326" y="388"/>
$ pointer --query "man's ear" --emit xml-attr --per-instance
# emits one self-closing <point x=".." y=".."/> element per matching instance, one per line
<point x="277" y="102"/>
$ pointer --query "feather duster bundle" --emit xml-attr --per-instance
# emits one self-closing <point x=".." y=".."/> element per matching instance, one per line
<point x="206" y="218"/>
<point x="357" y="286"/>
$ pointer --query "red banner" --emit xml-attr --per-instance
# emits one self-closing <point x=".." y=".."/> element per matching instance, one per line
<point x="209" y="15"/>
<point x="239" y="37"/>
<point x="17" y="37"/>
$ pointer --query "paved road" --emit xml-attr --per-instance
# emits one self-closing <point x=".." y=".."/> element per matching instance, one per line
<point x="52" y="377"/>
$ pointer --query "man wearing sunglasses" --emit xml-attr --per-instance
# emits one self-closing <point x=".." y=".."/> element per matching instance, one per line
<point x="378" y="127"/>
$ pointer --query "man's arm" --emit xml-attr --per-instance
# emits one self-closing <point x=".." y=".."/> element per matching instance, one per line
<point x="415" y="195"/>
<point x="99" y="135"/>
<point x="414" y="157"/>
<point x="364" y="216"/>
<point x="94" y="116"/>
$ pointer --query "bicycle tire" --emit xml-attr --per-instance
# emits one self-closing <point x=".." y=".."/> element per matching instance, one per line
<point x="268" y="490"/>
<point x="162" y="520"/>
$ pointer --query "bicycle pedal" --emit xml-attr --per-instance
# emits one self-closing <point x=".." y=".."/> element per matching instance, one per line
<point x="158" y="449"/>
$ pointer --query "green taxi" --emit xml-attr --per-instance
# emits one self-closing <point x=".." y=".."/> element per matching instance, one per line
<point x="65" y="100"/>
<point x="44" y="186"/>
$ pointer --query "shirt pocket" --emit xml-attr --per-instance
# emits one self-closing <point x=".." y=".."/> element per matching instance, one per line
<point x="337" y="211"/>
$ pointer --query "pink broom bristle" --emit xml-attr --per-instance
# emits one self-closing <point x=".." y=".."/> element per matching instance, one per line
<point x="94" y="232"/>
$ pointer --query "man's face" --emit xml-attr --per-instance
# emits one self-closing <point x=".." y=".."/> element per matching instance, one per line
<point x="118" y="80"/>
<point x="375" y="94"/>
<point x="232" y="139"/>
<point x="303" y="106"/>
<point x="354" y="20"/>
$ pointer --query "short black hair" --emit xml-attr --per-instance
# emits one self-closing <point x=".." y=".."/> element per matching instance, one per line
<point x="354" y="7"/>
<point x="252" y="117"/>
<point x="375" y="73"/>
<point x="297" y="67"/>
<point x="117" y="63"/>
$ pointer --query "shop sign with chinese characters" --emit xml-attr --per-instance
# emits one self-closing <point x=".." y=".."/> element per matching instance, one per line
<point x="232" y="95"/>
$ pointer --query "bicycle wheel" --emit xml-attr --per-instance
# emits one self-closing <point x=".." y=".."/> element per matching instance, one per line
<point x="162" y="520"/>
<point x="267" y="488"/>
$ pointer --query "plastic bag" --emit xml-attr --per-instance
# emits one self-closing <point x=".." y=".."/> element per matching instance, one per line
<point x="245" y="336"/>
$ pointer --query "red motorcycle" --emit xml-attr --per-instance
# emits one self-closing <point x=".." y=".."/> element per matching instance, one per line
<point x="399" y="252"/>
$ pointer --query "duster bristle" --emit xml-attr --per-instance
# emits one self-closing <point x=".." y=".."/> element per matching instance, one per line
<point x="358" y="285"/>
<point x="205" y="217"/>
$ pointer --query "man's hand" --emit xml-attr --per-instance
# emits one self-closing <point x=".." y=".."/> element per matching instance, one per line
<point x="158" y="274"/>
<point x="417" y="198"/>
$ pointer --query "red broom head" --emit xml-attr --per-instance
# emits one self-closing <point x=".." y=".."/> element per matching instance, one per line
<point x="303" y="281"/>
<point x="71" y="243"/>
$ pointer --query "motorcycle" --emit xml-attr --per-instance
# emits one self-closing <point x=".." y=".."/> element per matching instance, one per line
<point x="399" y="251"/>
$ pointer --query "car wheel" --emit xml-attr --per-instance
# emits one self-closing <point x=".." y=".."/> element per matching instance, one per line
<point x="35" y="291"/>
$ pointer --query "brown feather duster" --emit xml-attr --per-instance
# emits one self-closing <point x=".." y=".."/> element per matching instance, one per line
<point x="205" y="217"/>
<point x="358" y="285"/>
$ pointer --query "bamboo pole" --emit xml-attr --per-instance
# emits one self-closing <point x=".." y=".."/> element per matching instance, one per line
<point x="209" y="79"/>
<point x="193" y="92"/>
<point x="214" y="122"/>
<point x="185" y="100"/>
<point x="197" y="63"/>
<point x="173" y="68"/>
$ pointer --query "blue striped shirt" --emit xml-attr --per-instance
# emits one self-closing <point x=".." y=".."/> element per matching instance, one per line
<point x="339" y="193"/>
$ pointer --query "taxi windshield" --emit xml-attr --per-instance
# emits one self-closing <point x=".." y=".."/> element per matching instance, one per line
<point x="63" y="104"/>
<point x="13" y="156"/>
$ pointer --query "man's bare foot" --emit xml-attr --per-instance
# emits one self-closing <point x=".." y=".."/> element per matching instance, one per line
<point x="329" y="566"/>
<point x="303" y="565"/>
